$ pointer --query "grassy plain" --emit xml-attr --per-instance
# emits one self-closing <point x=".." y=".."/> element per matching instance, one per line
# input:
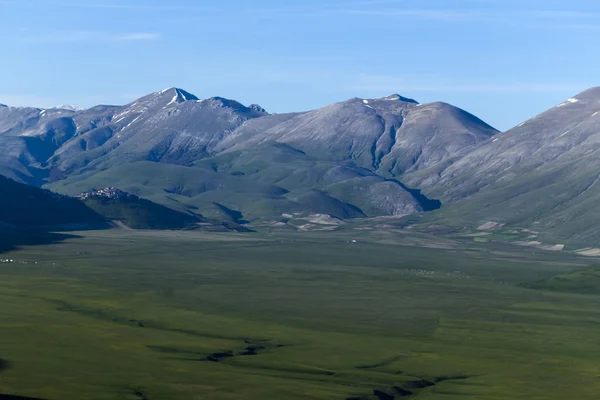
<point x="186" y="315"/>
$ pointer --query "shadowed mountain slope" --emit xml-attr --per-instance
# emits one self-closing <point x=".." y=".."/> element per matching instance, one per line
<point x="24" y="206"/>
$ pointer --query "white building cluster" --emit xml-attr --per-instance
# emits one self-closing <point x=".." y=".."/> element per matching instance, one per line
<point x="109" y="192"/>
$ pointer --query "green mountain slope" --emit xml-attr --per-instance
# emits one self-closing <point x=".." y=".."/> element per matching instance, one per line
<point x="24" y="206"/>
<point x="137" y="213"/>
<point x="259" y="184"/>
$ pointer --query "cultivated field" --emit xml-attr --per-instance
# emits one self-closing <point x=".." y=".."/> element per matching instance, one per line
<point x="182" y="315"/>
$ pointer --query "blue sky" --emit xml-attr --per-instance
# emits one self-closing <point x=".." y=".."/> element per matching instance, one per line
<point x="503" y="60"/>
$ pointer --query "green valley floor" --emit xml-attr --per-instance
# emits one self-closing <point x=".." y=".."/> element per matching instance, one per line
<point x="185" y="315"/>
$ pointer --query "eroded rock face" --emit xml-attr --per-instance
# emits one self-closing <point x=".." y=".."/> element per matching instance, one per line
<point x="392" y="135"/>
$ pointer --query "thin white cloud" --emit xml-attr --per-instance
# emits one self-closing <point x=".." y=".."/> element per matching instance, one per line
<point x="125" y="6"/>
<point x="562" y="14"/>
<point x="475" y="15"/>
<point x="578" y="27"/>
<point x="485" y="11"/>
<point x="136" y="36"/>
<point x="90" y="36"/>
<point x="428" y="14"/>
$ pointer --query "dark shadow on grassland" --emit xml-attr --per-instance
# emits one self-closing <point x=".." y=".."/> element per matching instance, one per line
<point x="426" y="203"/>
<point x="13" y="240"/>
<point x="236" y="216"/>
<point x="4" y="365"/>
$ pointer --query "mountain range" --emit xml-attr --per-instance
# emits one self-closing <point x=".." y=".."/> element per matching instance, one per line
<point x="358" y="158"/>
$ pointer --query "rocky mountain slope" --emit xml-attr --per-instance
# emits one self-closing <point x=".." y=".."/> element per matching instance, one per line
<point x="392" y="135"/>
<point x="345" y="160"/>
<point x="543" y="173"/>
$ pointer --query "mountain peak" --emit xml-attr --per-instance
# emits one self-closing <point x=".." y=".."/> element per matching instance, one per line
<point x="393" y="97"/>
<point x="162" y="99"/>
<point x="175" y="95"/>
<point x="221" y="102"/>
<point x="397" y="97"/>
<point x="178" y="95"/>
<point x="68" y="107"/>
<point x="257" y="108"/>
